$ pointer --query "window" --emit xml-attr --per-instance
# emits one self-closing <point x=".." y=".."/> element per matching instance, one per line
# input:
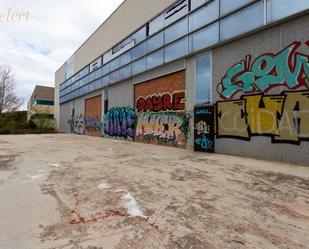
<point x="115" y="64"/>
<point x="139" y="35"/>
<point x="249" y="18"/>
<point x="277" y="9"/>
<point x="106" y="80"/>
<point x="155" y="42"/>
<point x="139" y="51"/>
<point x="125" y="58"/>
<point x="122" y="45"/>
<point x="176" y="50"/>
<point x="106" y="69"/>
<point x="155" y="59"/>
<point x="91" y="76"/>
<point x="176" y="31"/>
<point x="138" y="66"/>
<point x="97" y="73"/>
<point x="44" y="102"/>
<point x="156" y="24"/>
<point x="204" y="15"/>
<point x="227" y="6"/>
<point x="107" y="56"/>
<point x="203" y="79"/>
<point x="125" y="72"/>
<point x="175" y="12"/>
<point x="204" y="38"/>
<point x="115" y="76"/>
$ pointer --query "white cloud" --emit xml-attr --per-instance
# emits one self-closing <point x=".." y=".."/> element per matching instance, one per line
<point x="55" y="29"/>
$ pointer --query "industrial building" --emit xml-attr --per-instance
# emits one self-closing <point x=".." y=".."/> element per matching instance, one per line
<point x="41" y="104"/>
<point x="211" y="75"/>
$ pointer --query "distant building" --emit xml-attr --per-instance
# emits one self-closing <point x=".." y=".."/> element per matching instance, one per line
<point x="41" y="103"/>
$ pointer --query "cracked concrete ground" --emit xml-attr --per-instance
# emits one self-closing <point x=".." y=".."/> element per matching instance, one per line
<point x="179" y="199"/>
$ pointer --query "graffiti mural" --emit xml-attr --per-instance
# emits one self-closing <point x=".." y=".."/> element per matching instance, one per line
<point x="93" y="114"/>
<point x="283" y="117"/>
<point x="92" y="124"/>
<point x="165" y="102"/>
<point x="119" y="122"/>
<point x="161" y="119"/>
<point x="287" y="68"/>
<point x="167" y="128"/>
<point x="204" y="132"/>
<point x="77" y="124"/>
<point x="160" y="106"/>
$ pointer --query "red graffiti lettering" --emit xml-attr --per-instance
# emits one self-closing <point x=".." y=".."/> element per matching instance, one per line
<point x="166" y="102"/>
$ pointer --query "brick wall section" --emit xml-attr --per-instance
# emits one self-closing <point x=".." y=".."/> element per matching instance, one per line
<point x="165" y="84"/>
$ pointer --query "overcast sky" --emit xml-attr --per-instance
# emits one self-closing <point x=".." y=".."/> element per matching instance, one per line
<point x="36" y="48"/>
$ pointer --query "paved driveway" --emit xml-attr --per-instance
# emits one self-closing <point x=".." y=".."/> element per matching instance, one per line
<point x="70" y="191"/>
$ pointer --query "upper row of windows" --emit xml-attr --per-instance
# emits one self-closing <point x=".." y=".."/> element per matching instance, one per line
<point x="133" y="48"/>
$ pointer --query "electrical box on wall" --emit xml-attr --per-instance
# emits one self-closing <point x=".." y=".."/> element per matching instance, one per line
<point x="204" y="128"/>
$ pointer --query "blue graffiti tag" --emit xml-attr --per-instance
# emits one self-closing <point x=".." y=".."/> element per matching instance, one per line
<point x="120" y="122"/>
<point x="204" y="142"/>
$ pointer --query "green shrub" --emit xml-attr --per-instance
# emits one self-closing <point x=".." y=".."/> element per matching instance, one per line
<point x="5" y="130"/>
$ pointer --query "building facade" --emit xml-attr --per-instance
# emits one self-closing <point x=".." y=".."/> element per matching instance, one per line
<point x="41" y="104"/>
<point x="224" y="76"/>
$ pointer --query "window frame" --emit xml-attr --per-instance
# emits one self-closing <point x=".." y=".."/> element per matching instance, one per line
<point x="209" y="52"/>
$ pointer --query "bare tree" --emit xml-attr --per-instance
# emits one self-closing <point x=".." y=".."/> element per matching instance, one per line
<point x="8" y="100"/>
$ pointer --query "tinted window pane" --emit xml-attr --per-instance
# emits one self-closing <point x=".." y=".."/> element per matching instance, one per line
<point x="239" y="22"/>
<point x="91" y="76"/>
<point x="97" y="73"/>
<point x="139" y="66"/>
<point x="176" y="50"/>
<point x="156" y="24"/>
<point x="203" y="79"/>
<point x="125" y="58"/>
<point x="277" y="9"/>
<point x="139" y="51"/>
<point x="139" y="35"/>
<point x="106" y="69"/>
<point x="106" y="80"/>
<point x="176" y="31"/>
<point x="155" y="42"/>
<point x="196" y="3"/>
<point x="107" y="56"/>
<point x="230" y="5"/>
<point x="115" y="76"/>
<point x="204" y="15"/>
<point x="115" y="64"/>
<point x="125" y="72"/>
<point x="155" y="59"/>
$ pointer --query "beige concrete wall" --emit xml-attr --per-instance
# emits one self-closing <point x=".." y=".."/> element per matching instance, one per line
<point x="124" y="21"/>
<point x="121" y="95"/>
<point x="59" y="76"/>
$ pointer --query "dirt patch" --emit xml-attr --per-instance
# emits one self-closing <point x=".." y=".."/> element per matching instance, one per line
<point x="6" y="162"/>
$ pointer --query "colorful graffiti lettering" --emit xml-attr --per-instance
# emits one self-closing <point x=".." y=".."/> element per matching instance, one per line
<point x="283" y="117"/>
<point x="287" y="68"/>
<point x="162" y="128"/>
<point x="165" y="102"/>
<point x="204" y="143"/>
<point x="77" y="124"/>
<point x="92" y="124"/>
<point x="162" y="120"/>
<point x="120" y="122"/>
